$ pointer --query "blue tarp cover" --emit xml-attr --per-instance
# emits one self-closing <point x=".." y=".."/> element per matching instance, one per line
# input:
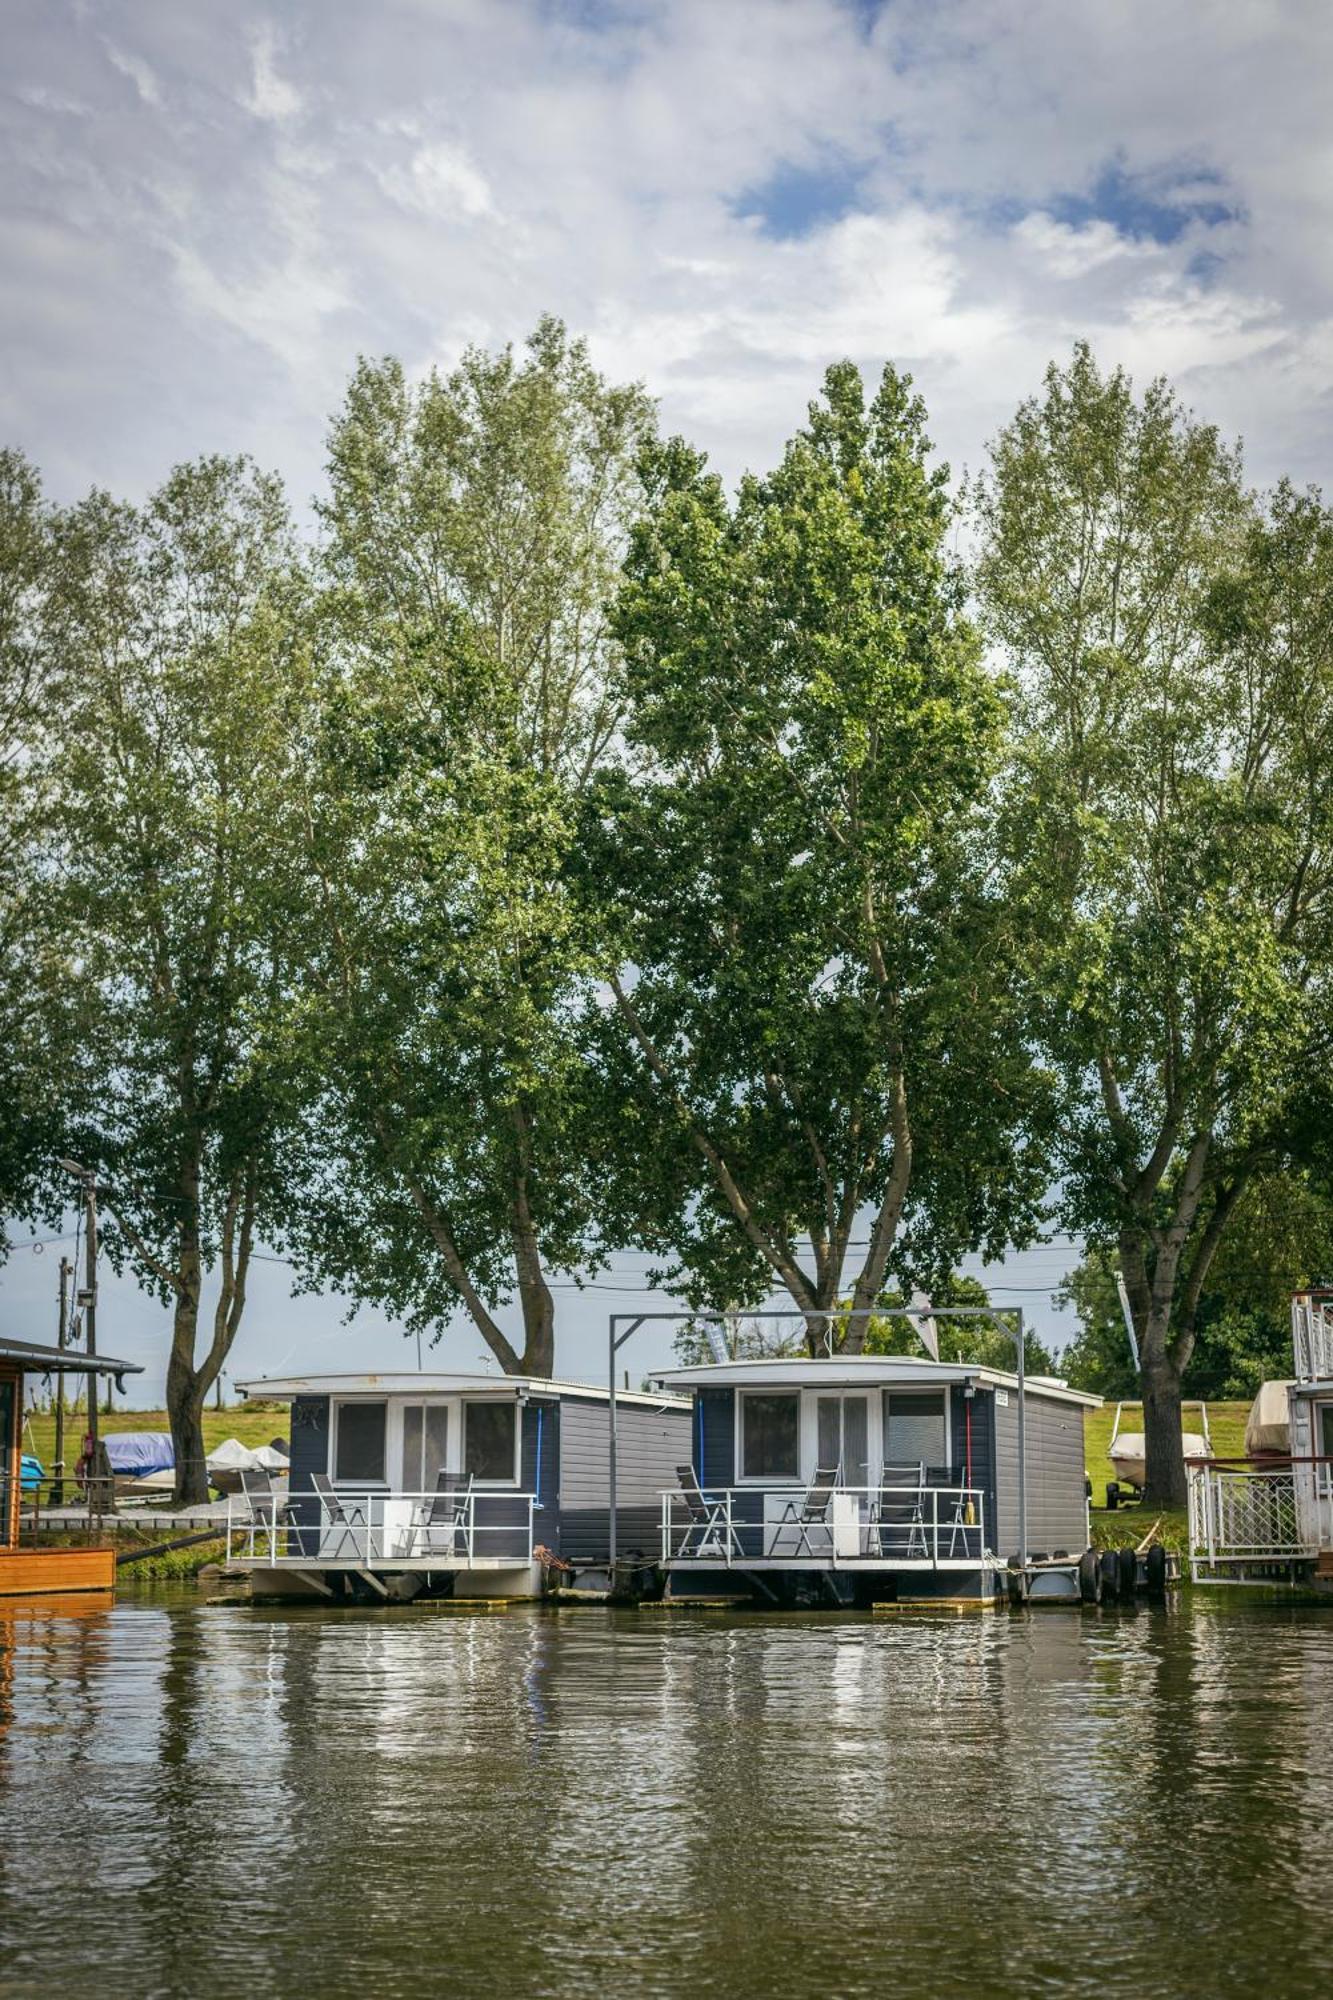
<point x="134" y="1454"/>
<point x="30" y="1473"/>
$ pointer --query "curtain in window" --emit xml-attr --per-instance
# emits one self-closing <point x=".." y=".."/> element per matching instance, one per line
<point x="770" y="1433"/>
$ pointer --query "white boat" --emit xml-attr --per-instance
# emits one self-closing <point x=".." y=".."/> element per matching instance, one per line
<point x="1128" y="1450"/>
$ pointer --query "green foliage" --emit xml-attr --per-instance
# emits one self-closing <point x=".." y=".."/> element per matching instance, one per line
<point x="1168" y="823"/>
<point x="1280" y="1241"/>
<point x="470" y="687"/>
<point x="813" y="1039"/>
<point x="177" y="673"/>
<point x="959" y="1339"/>
<point x="34" y="1045"/>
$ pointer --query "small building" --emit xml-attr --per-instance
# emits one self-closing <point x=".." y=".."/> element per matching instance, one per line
<point x="454" y="1484"/>
<point x="862" y="1478"/>
<point x="32" y="1571"/>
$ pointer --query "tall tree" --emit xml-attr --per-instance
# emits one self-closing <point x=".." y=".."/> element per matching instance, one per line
<point x="32" y="975"/>
<point x="474" y="524"/>
<point x="810" y="1026"/>
<point x="177" y="642"/>
<point x="1170" y="824"/>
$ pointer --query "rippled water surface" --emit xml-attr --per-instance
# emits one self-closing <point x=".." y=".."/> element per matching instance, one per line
<point x="216" y="1799"/>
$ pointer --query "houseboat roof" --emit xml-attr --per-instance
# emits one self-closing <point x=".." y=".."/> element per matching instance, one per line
<point x="864" y="1370"/>
<point x="62" y="1360"/>
<point x="413" y="1382"/>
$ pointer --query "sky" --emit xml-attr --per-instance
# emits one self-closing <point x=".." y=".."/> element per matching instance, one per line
<point x="207" y="212"/>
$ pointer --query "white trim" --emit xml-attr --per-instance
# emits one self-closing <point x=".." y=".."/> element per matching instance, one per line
<point x="489" y="1485"/>
<point x="394" y="1406"/>
<point x="410" y="1382"/>
<point x="744" y="1478"/>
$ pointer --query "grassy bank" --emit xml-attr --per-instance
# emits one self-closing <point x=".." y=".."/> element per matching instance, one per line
<point x="252" y="1423"/>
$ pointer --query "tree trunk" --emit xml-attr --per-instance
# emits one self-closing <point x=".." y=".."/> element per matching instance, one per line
<point x="186" y="1390"/>
<point x="538" y="1310"/>
<point x="1166" y="1483"/>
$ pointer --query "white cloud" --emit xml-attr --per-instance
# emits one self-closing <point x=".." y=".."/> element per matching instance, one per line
<point x="986" y="184"/>
<point x="271" y="96"/>
<point x="440" y="179"/>
<point x="138" y="72"/>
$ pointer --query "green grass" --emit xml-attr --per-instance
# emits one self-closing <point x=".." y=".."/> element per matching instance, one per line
<point x="254" y="1424"/>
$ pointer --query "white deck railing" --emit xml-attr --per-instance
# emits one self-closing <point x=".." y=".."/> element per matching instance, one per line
<point x="893" y="1527"/>
<point x="381" y="1530"/>
<point x="1311" y="1338"/>
<point x="1247" y="1518"/>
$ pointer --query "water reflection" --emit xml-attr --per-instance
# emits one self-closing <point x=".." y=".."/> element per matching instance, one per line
<point x="201" y="1797"/>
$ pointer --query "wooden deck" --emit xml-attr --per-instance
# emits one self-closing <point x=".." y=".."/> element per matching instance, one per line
<point x="35" y="1572"/>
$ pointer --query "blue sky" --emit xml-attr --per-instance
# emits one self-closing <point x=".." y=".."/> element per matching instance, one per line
<point x="207" y="212"/>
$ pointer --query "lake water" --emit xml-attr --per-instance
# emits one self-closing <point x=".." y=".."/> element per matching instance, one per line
<point x="214" y="1799"/>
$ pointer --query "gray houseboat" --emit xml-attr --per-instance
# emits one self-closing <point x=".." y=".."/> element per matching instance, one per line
<point x="452" y="1484"/>
<point x="867" y="1478"/>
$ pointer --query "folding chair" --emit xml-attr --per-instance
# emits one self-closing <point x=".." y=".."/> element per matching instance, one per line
<point x="337" y="1515"/>
<point x="451" y="1508"/>
<point x="901" y="1505"/>
<point x="707" y="1524"/>
<point x="810" y="1511"/>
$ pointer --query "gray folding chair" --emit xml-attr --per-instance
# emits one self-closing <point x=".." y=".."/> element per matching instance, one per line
<point x="707" y="1522"/>
<point x="899" y="1514"/>
<point x="337" y="1515"/>
<point x="811" y="1510"/>
<point x="450" y="1508"/>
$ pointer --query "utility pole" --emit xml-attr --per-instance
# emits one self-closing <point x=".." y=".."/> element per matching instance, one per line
<point x="87" y="1300"/>
<point x="62" y="1338"/>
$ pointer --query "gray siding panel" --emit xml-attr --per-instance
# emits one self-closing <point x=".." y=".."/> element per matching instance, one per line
<point x="540" y="1471"/>
<point x="1057" y="1518"/>
<point x="310" y="1454"/>
<point x="715" y="1437"/>
<point x="650" y="1444"/>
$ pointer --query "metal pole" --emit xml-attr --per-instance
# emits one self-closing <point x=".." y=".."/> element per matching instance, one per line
<point x="90" y="1312"/>
<point x="611" y="1444"/>
<point x="1022" y="1446"/>
<point x="58" y="1469"/>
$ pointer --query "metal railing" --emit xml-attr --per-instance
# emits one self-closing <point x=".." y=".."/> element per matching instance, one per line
<point x="1248" y="1518"/>
<point x="380" y="1530"/>
<point x="926" y="1526"/>
<point x="1311" y="1337"/>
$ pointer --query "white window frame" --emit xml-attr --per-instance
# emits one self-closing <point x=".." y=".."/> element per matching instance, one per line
<point x="773" y="1479"/>
<point x="507" y="1402"/>
<point x="939" y="1389"/>
<point x="394" y="1406"/>
<point x="336" y="1404"/>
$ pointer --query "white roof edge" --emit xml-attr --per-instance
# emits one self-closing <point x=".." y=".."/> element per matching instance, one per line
<point x="806" y="1372"/>
<point x="403" y="1382"/>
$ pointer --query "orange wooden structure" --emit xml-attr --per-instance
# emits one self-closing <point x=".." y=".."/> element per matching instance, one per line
<point x="28" y="1572"/>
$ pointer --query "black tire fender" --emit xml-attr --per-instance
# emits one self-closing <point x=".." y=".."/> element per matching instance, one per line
<point x="1129" y="1572"/>
<point x="1090" y="1577"/>
<point x="1155" y="1564"/>
<point x="1109" y="1566"/>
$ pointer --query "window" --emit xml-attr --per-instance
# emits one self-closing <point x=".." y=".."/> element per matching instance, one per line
<point x="915" y="1431"/>
<point x="360" y="1441"/>
<point x="490" y="1438"/>
<point x="1326" y="1430"/>
<point x="770" y="1431"/>
<point x="844" y="1437"/>
<point x="425" y="1439"/>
